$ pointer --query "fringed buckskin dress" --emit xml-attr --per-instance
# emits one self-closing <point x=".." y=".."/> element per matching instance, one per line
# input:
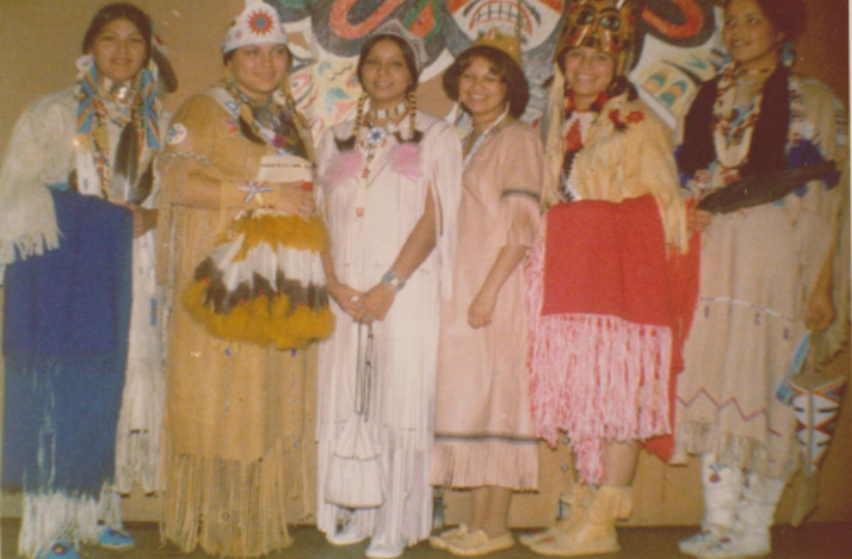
<point x="239" y="454"/>
<point x="406" y="342"/>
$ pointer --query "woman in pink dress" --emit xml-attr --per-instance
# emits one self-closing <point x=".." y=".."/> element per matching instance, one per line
<point x="484" y="439"/>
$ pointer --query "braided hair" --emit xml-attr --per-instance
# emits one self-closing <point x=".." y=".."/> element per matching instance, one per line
<point x="348" y="144"/>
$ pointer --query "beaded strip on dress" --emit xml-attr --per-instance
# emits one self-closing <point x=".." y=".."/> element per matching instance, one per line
<point x="377" y="136"/>
<point x="481" y="138"/>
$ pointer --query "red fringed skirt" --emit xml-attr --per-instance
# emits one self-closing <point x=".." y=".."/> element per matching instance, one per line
<point x="601" y="327"/>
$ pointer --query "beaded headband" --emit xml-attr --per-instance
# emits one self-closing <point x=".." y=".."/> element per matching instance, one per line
<point x="258" y="24"/>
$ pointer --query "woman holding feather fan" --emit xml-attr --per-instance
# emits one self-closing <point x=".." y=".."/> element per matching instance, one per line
<point x="240" y="252"/>
<point x="71" y="439"/>
<point x="768" y="273"/>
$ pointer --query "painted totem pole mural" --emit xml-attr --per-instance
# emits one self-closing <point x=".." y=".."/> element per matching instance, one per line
<point x="680" y="50"/>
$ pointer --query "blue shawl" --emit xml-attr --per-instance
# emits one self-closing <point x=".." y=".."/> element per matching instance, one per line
<point x="65" y="340"/>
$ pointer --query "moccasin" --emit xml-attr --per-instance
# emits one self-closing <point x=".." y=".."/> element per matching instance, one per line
<point x="440" y="541"/>
<point x="478" y="543"/>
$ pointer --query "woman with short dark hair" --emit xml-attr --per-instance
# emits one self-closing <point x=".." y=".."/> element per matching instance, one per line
<point x="503" y="67"/>
<point x="484" y="438"/>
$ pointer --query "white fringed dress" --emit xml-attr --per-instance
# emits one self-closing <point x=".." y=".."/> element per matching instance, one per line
<point x="400" y="422"/>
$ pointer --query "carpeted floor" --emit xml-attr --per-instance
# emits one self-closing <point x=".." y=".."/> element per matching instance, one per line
<point x="816" y="541"/>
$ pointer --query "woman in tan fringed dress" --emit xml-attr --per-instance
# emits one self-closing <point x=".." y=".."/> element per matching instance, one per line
<point x="236" y="468"/>
<point x="771" y="275"/>
<point x="484" y="437"/>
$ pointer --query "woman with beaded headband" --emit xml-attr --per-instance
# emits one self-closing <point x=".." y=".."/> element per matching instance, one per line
<point x="390" y="184"/>
<point x="768" y="273"/>
<point x="236" y="403"/>
<point x="602" y="322"/>
<point x="484" y="438"/>
<point x="98" y="138"/>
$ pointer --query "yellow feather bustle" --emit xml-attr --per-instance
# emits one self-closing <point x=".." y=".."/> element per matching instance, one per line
<point x="262" y="320"/>
<point x="266" y="318"/>
<point x="279" y="230"/>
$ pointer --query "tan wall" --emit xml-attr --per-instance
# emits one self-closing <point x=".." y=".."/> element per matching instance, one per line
<point x="41" y="40"/>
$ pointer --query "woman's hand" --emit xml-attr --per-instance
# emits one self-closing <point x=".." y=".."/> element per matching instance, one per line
<point x="377" y="303"/>
<point x="349" y="299"/>
<point x="480" y="310"/>
<point x="295" y="199"/>
<point x="144" y="219"/>
<point x="697" y="220"/>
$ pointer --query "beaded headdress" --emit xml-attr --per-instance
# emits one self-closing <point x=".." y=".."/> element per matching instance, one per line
<point x="258" y="24"/>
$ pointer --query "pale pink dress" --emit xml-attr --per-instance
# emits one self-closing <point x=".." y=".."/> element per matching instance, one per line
<point x="483" y="425"/>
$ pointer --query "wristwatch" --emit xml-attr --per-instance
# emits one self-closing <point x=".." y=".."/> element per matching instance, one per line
<point x="392" y="280"/>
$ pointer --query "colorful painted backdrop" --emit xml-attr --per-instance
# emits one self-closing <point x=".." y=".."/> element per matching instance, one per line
<point x="679" y="50"/>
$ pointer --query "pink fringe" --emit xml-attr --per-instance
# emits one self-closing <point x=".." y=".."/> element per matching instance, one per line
<point x="599" y="378"/>
<point x="342" y="168"/>
<point x="405" y="160"/>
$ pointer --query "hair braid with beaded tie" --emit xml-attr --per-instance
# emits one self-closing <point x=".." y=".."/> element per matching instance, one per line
<point x="416" y="135"/>
<point x="348" y="144"/>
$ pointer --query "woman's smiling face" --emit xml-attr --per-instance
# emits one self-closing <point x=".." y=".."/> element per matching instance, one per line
<point x="481" y="91"/>
<point x="588" y="72"/>
<point x="260" y="69"/>
<point x="750" y="38"/>
<point x="385" y="76"/>
<point x="119" y="50"/>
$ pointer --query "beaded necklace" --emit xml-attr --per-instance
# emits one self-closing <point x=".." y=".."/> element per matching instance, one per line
<point x="371" y="144"/>
<point x="732" y="128"/>
<point x="94" y="165"/>
<point x="275" y="121"/>
<point x="387" y="114"/>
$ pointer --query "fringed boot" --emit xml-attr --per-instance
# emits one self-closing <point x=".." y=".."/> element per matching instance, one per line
<point x="750" y="535"/>
<point x="723" y="488"/>
<point x="596" y="533"/>
<point x="578" y="500"/>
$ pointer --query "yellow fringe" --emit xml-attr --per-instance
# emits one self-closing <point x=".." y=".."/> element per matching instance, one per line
<point x="278" y="230"/>
<point x="231" y="508"/>
<point x="261" y="321"/>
